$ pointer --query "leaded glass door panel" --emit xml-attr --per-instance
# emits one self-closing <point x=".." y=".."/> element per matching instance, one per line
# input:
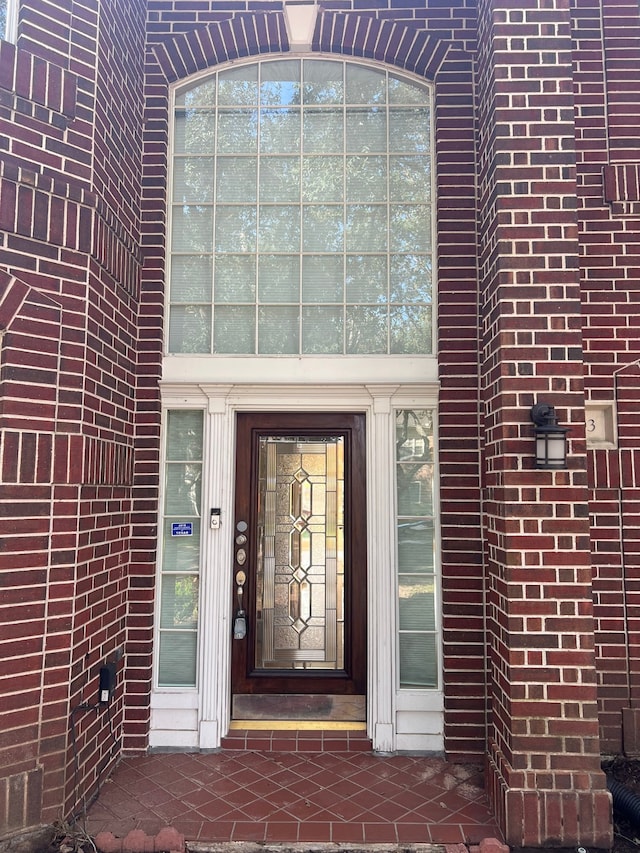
<point x="299" y="546"/>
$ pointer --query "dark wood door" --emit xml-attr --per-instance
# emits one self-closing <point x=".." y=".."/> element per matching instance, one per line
<point x="300" y="543"/>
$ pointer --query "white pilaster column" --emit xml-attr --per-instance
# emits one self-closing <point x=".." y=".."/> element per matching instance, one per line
<point x="381" y="582"/>
<point x="215" y="624"/>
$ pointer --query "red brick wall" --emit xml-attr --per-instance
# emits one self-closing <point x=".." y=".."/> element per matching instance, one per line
<point x="71" y="124"/>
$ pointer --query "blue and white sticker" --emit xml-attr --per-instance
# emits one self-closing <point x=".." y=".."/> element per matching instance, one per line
<point x="182" y="528"/>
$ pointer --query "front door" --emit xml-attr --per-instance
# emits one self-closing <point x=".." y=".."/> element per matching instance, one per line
<point x="299" y="564"/>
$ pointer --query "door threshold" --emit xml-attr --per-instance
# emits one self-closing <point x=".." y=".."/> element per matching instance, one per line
<point x="298" y="725"/>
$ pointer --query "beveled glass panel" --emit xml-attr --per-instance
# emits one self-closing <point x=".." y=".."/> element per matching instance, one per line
<point x="189" y="329"/>
<point x="366" y="329"/>
<point x="194" y="131"/>
<point x="201" y="95"/>
<point x="323" y="228"/>
<point x="366" y="228"/>
<point x="177" y="661"/>
<point x="181" y="553"/>
<point x="366" y="278"/>
<point x="182" y="489"/>
<point x="193" y="179"/>
<point x="234" y="329"/>
<point x="418" y="661"/>
<point x="322" y="131"/>
<point x="279" y="278"/>
<point x="410" y="227"/>
<point x="279" y="179"/>
<point x="192" y="228"/>
<point x="278" y="329"/>
<point x="322" y="329"/>
<point x="236" y="179"/>
<point x="322" y="278"/>
<point x="415" y="545"/>
<point x="179" y="601"/>
<point x="237" y="132"/>
<point x="323" y="82"/>
<point x="184" y="435"/>
<point x="298" y="563"/>
<point x="235" y="228"/>
<point x="365" y="86"/>
<point x="410" y="278"/>
<point x="280" y="82"/>
<point x="322" y="178"/>
<point x="366" y="130"/>
<point x="409" y="130"/>
<point x="366" y="179"/>
<point x="191" y="278"/>
<point x="279" y="228"/>
<point x="238" y="85"/>
<point x="411" y="329"/>
<point x="416" y="598"/>
<point x="280" y="131"/>
<point x="235" y="278"/>
<point x="410" y="179"/>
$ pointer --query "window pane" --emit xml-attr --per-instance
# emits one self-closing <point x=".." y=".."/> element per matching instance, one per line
<point x="322" y="279"/>
<point x="235" y="229"/>
<point x="323" y="131"/>
<point x="279" y="228"/>
<point x="402" y="92"/>
<point x="416" y="604"/>
<point x="178" y="658"/>
<point x="409" y="130"/>
<point x="418" y="661"/>
<point x="280" y="82"/>
<point x="190" y="329"/>
<point x="192" y="228"/>
<point x="179" y="601"/>
<point x="181" y="553"/>
<point x="194" y="132"/>
<point x="193" y="179"/>
<point x="322" y="179"/>
<point x="323" y="228"/>
<point x="235" y="278"/>
<point x="366" y="228"/>
<point x="203" y="95"/>
<point x="365" y="86"/>
<point x="182" y="489"/>
<point x="234" y="329"/>
<point x="366" y="330"/>
<point x="280" y="179"/>
<point x="191" y="277"/>
<point x="415" y="488"/>
<point x="366" y="178"/>
<point x="280" y="131"/>
<point x="238" y="85"/>
<point x="366" y="278"/>
<point x="410" y="226"/>
<point x="366" y="130"/>
<point x="322" y="329"/>
<point x="414" y="435"/>
<point x="415" y="545"/>
<point x="323" y="82"/>
<point x="410" y="278"/>
<point x="410" y="179"/>
<point x="411" y="329"/>
<point x="184" y="435"/>
<point x="279" y="278"/>
<point x="237" y="131"/>
<point x="278" y="329"/>
<point x="236" y="179"/>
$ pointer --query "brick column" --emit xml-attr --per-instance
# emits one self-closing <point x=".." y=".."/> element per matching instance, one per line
<point x="543" y="752"/>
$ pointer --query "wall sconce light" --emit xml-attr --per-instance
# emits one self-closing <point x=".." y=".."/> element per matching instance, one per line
<point x="551" y="439"/>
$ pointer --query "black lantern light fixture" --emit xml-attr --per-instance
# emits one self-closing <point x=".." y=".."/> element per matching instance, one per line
<point x="551" y="439"/>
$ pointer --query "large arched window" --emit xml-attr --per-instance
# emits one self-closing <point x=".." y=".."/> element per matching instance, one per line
<point x="301" y="212"/>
